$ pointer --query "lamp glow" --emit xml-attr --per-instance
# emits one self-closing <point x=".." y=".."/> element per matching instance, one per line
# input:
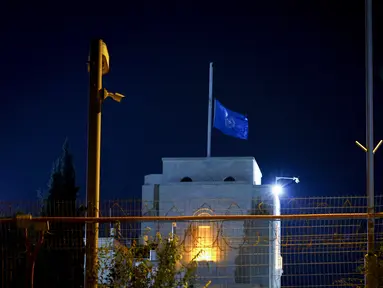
<point x="277" y="189"/>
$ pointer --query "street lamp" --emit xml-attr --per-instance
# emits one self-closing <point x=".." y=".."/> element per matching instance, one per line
<point x="276" y="269"/>
<point x="295" y="179"/>
<point x="277" y="189"/>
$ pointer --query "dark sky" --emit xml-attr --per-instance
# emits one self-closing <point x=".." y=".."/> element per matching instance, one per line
<point x="295" y="67"/>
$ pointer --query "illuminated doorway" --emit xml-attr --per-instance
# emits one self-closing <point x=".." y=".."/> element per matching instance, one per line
<point x="205" y="238"/>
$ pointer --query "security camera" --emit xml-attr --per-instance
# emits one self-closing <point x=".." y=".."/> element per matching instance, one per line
<point x="117" y="97"/>
<point x="296" y="179"/>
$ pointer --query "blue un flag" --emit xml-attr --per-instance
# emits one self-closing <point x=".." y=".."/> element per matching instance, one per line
<point x="229" y="122"/>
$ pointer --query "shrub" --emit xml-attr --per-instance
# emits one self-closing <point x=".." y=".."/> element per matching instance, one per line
<point x="120" y="266"/>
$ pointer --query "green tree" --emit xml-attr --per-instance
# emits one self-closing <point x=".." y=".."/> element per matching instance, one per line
<point x="61" y="261"/>
<point x="120" y="266"/>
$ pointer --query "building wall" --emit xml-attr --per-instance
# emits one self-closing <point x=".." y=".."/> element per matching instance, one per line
<point x="243" y="169"/>
<point x="241" y="251"/>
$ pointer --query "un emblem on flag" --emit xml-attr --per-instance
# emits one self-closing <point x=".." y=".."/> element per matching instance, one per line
<point x="229" y="122"/>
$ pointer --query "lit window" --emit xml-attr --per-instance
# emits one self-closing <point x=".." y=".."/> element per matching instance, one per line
<point x="204" y="240"/>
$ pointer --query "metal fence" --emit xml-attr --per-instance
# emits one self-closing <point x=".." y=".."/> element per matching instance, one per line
<point x="323" y="251"/>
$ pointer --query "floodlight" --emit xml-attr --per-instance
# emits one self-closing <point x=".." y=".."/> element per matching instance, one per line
<point x="277" y="189"/>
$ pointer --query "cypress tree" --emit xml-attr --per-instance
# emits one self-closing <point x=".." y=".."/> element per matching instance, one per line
<point x="61" y="261"/>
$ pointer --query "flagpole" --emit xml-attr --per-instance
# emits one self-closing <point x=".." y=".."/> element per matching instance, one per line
<point x="210" y="110"/>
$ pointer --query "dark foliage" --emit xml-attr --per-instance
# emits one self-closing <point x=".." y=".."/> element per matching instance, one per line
<point x="13" y="256"/>
<point x="61" y="260"/>
<point x="358" y="282"/>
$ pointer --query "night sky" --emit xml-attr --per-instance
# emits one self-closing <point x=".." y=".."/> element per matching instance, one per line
<point x="296" y="68"/>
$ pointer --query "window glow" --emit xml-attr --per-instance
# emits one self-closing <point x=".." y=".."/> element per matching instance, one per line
<point x="204" y="244"/>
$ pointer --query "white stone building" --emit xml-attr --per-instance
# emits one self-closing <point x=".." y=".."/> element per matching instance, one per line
<point x="231" y="253"/>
